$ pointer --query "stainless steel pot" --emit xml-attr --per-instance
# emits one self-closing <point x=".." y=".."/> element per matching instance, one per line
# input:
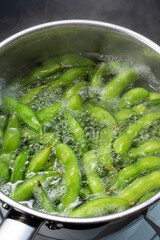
<point x="18" y="52"/>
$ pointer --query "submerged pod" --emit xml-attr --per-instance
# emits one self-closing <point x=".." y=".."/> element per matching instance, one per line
<point x="96" y="80"/>
<point x="133" y="97"/>
<point x="75" y="102"/>
<point x="19" y="166"/>
<point x="75" y="129"/>
<point x="102" y="115"/>
<point x="4" y="173"/>
<point x="146" y="148"/>
<point x="140" y="187"/>
<point x="46" y="115"/>
<point x="143" y="164"/>
<point x="12" y="136"/>
<point x="72" y="174"/>
<point x="24" y="113"/>
<point x="42" y="200"/>
<point x="3" y="122"/>
<point x="154" y="97"/>
<point x="31" y="94"/>
<point x="124" y="141"/>
<point x="38" y="161"/>
<point x="100" y="207"/>
<point x="116" y="86"/>
<point x="91" y="170"/>
<point x="68" y="77"/>
<point x="24" y="191"/>
<point x="76" y="89"/>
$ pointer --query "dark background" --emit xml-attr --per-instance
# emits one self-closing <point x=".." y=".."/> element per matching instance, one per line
<point x="142" y="16"/>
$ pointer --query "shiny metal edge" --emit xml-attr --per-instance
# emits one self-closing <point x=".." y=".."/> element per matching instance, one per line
<point x="95" y="220"/>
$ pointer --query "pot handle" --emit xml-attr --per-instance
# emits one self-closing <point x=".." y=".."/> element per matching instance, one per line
<point x="17" y="226"/>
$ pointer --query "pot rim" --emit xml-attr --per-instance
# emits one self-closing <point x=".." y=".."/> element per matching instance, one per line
<point x="90" y="23"/>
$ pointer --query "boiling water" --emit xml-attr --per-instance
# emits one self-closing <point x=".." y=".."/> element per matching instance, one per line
<point x="47" y="97"/>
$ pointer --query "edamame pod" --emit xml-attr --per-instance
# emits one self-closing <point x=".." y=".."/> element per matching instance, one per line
<point x="24" y="191"/>
<point x="24" y="113"/>
<point x="43" y="202"/>
<point x="132" y="170"/>
<point x="100" y="207"/>
<point x="76" y="89"/>
<point x="96" y="80"/>
<point x="124" y="142"/>
<point x="133" y="97"/>
<point x="46" y="138"/>
<point x="104" y="155"/>
<point x="42" y="72"/>
<point x="72" y="176"/>
<point x="146" y="197"/>
<point x="140" y="187"/>
<point x="125" y="114"/>
<point x="91" y="169"/>
<point x="76" y="129"/>
<point x="38" y="161"/>
<point x="68" y="77"/>
<point x="12" y="137"/>
<point x="154" y="97"/>
<point x="7" y="157"/>
<point x="114" y="88"/>
<point x="102" y="116"/>
<point x="3" y="121"/>
<point x="75" y="102"/>
<point x="19" y="166"/>
<point x="31" y="94"/>
<point x="4" y="173"/>
<point x="46" y="115"/>
<point x="146" y="148"/>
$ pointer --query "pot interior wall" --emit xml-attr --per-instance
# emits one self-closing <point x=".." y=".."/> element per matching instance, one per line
<point x="20" y="55"/>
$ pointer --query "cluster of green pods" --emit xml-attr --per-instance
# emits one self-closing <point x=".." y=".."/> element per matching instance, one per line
<point x="72" y="139"/>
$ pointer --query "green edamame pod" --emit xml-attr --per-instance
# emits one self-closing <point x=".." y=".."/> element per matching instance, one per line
<point x="72" y="176"/>
<point x="114" y="88"/>
<point x="85" y="192"/>
<point x="38" y="161"/>
<point x="104" y="155"/>
<point x="133" y="97"/>
<point x="76" y="129"/>
<point x="75" y="102"/>
<point x="124" y="142"/>
<point x="146" y="197"/>
<point x="42" y="200"/>
<point x="124" y="114"/>
<point x="140" y="187"/>
<point x="100" y="207"/>
<point x="4" y="173"/>
<point x="31" y="94"/>
<point x="25" y="113"/>
<point x="19" y="166"/>
<point x="76" y="89"/>
<point x="102" y="115"/>
<point x="46" y="138"/>
<point x="7" y="157"/>
<point x="139" y="109"/>
<point x="132" y="170"/>
<point x="12" y="137"/>
<point x="96" y="80"/>
<point x="3" y="121"/>
<point x="46" y="115"/>
<point x="68" y="77"/>
<point x="24" y="191"/>
<point x="43" y="72"/>
<point x="146" y="148"/>
<point x="74" y="60"/>
<point x="91" y="169"/>
<point x="154" y="97"/>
